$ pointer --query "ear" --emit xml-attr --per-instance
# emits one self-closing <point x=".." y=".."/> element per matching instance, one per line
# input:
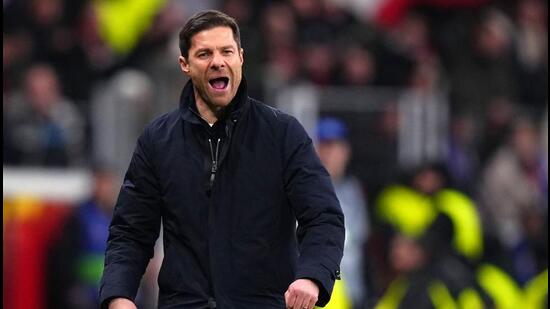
<point x="184" y="64"/>
<point x="347" y="150"/>
<point x="241" y="55"/>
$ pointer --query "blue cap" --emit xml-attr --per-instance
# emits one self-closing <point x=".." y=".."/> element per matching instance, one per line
<point x="330" y="129"/>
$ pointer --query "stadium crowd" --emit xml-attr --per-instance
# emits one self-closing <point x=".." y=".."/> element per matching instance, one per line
<point x="446" y="193"/>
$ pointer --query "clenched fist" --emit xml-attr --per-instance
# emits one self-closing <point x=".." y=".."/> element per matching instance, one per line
<point x="302" y="294"/>
<point x="121" y="303"/>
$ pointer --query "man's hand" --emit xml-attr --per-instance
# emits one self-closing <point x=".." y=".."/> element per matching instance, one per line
<point x="302" y="294"/>
<point x="121" y="303"/>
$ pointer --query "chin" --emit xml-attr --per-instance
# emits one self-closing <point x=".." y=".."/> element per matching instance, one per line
<point x="221" y="102"/>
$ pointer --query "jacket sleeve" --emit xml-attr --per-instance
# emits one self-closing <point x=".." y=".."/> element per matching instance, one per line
<point x="134" y="228"/>
<point x="321" y="229"/>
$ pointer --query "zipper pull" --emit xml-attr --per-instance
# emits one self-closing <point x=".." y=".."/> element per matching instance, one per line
<point x="213" y="172"/>
<point x="214" y="168"/>
<point x="212" y="177"/>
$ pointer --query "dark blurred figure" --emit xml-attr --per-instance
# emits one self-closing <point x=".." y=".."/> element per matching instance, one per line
<point x="430" y="274"/>
<point x="513" y="199"/>
<point x="432" y="181"/>
<point x="16" y="48"/>
<point x="381" y="158"/>
<point x="335" y="152"/>
<point x="497" y="124"/>
<point x="318" y="64"/>
<point x="531" y="49"/>
<point x="462" y="159"/>
<point x="51" y="33"/>
<point x="41" y="126"/>
<point x="75" y="262"/>
<point x="484" y="68"/>
<point x="281" y="57"/>
<point x="424" y="207"/>
<point x="357" y="67"/>
<point x="343" y="24"/>
<point x="311" y="22"/>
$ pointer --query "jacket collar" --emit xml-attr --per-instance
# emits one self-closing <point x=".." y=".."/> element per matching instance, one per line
<point x="235" y="109"/>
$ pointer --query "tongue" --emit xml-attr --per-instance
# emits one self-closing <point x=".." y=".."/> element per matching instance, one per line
<point x="218" y="84"/>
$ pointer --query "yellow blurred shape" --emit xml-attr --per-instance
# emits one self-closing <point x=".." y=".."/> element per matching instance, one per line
<point x="122" y="22"/>
<point x="22" y="207"/>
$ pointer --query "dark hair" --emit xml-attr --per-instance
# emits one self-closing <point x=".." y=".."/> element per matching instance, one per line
<point x="203" y="21"/>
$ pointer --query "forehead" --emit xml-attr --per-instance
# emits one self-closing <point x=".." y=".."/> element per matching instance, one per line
<point x="213" y="37"/>
<point x="332" y="143"/>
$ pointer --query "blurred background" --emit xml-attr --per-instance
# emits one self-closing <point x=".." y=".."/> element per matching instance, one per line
<point x="430" y="115"/>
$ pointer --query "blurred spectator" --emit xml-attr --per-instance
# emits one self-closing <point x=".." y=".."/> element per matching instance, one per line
<point x="423" y="115"/>
<point x="75" y="259"/>
<point x="156" y="54"/>
<point x="512" y="196"/>
<point x="486" y="61"/>
<point x="531" y="47"/>
<point x="423" y="107"/>
<point x="498" y="120"/>
<point x="51" y="33"/>
<point x="335" y="152"/>
<point x="358" y="67"/>
<point x="42" y="127"/>
<point x="16" y="48"/>
<point x="99" y="56"/>
<point x="318" y="64"/>
<point x="281" y="63"/>
<point x="343" y="25"/>
<point x="311" y="25"/>
<point x="75" y="262"/>
<point x="120" y="109"/>
<point x="425" y="203"/>
<point x="432" y="181"/>
<point x="279" y="26"/>
<point x="462" y="160"/>
<point x="380" y="142"/>
<point x="411" y="37"/>
<point x="429" y="274"/>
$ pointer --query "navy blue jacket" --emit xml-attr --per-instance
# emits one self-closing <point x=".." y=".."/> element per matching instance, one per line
<point x="229" y="197"/>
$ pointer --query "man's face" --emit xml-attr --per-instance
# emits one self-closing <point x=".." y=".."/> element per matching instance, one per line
<point x="214" y="65"/>
<point x="334" y="155"/>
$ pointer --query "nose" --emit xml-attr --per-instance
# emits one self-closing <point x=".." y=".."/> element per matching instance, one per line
<point x="217" y="61"/>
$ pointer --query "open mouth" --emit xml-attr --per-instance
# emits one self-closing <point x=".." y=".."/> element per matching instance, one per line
<point x="219" y="83"/>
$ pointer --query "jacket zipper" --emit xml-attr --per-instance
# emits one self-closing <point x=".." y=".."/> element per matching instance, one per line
<point x="214" y="155"/>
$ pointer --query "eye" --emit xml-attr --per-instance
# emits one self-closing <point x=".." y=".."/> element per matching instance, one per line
<point x="228" y="52"/>
<point x="202" y="55"/>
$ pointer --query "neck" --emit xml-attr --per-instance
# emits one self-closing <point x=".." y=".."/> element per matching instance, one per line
<point x="208" y="112"/>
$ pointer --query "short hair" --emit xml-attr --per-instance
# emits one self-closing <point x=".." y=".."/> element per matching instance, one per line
<point x="203" y="21"/>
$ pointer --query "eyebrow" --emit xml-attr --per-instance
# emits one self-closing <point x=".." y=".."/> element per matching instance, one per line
<point x="208" y="49"/>
<point x="205" y="49"/>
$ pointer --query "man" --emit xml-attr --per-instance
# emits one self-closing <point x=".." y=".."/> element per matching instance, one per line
<point x="228" y="176"/>
<point x="42" y="126"/>
<point x="75" y="259"/>
<point x="335" y="152"/>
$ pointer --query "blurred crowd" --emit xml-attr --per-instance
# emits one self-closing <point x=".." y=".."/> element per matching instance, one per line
<point x="446" y="194"/>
